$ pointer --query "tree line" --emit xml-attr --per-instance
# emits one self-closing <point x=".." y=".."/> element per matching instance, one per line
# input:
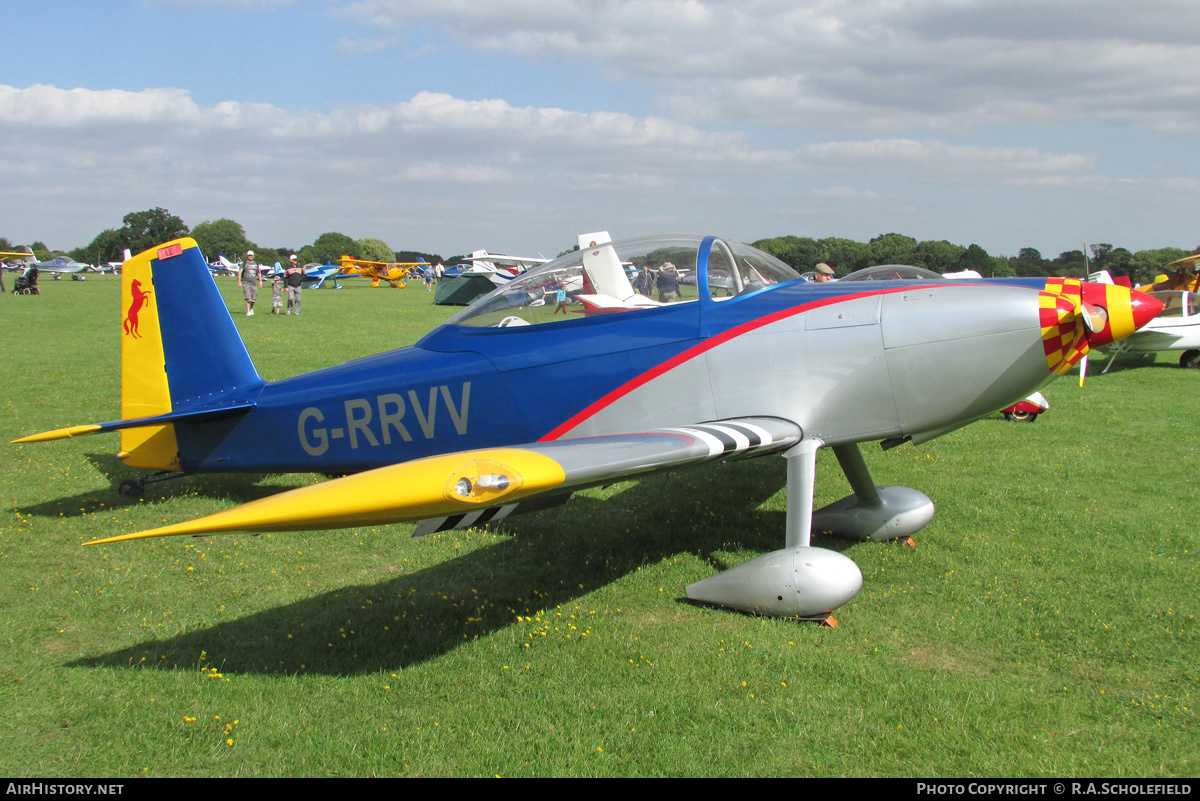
<point x="846" y="255"/>
<point x="145" y="229"/>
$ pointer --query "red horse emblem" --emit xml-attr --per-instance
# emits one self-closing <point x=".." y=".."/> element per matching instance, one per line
<point x="139" y="300"/>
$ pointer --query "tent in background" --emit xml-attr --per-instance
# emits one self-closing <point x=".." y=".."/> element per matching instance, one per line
<point x="462" y="290"/>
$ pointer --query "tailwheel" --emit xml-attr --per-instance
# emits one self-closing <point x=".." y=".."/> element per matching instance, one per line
<point x="1020" y="417"/>
<point x="134" y="487"/>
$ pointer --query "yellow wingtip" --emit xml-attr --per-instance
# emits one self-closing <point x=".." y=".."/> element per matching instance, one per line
<point x="126" y="537"/>
<point x="248" y="517"/>
<point x="226" y="521"/>
<point x="58" y="433"/>
<point x="394" y="494"/>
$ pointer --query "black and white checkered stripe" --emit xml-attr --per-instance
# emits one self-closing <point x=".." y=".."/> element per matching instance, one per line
<point x="731" y="437"/>
<point x="479" y="517"/>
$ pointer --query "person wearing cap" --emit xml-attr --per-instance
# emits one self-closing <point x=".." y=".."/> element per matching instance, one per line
<point x="251" y="280"/>
<point x="823" y="273"/>
<point x="293" y="276"/>
<point x="668" y="283"/>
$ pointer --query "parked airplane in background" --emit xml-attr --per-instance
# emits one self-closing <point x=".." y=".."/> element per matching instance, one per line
<point x="1176" y="327"/>
<point x="392" y="272"/>
<point x="1183" y="276"/>
<point x="110" y="267"/>
<point x="315" y="274"/>
<point x="223" y="266"/>
<point x="511" y="405"/>
<point x="498" y="268"/>
<point x="60" y="266"/>
<point x="604" y="285"/>
<point x="1027" y="409"/>
<point x="18" y="259"/>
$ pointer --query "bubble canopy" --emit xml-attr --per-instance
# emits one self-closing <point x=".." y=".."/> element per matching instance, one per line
<point x="624" y="276"/>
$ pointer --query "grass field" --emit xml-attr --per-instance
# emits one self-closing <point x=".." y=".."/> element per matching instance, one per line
<point x="1045" y="624"/>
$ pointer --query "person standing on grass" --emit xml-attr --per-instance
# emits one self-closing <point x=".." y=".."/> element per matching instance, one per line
<point x="668" y="284"/>
<point x="294" y="278"/>
<point x="251" y="281"/>
<point x="560" y="300"/>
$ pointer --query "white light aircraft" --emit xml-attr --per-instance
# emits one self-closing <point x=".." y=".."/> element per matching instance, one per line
<point x="1177" y="326"/>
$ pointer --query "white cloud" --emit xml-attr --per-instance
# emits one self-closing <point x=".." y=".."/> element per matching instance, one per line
<point x="855" y="64"/>
<point x="937" y="162"/>
<point x="39" y="105"/>
<point x="434" y="170"/>
<point x="483" y="135"/>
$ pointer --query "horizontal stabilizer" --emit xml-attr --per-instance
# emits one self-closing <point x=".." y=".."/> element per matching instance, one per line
<point x="194" y="414"/>
<point x="62" y="433"/>
<point x="477" y="481"/>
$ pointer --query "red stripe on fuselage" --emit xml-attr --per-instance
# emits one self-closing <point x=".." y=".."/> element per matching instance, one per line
<point x="709" y="344"/>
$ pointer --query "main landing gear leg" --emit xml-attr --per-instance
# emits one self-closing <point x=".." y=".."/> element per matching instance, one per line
<point x="1112" y="358"/>
<point x="801" y="483"/>
<point x="871" y="513"/>
<point x="134" y="487"/>
<point x="799" y="580"/>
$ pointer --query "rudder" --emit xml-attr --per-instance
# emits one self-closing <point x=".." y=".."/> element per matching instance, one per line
<point x="179" y="347"/>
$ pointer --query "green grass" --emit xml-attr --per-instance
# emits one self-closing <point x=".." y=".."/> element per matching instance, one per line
<point x="1045" y="624"/>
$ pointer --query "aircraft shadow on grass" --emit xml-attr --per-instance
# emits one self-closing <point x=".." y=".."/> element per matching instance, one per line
<point x="1128" y="361"/>
<point x="415" y="617"/>
<point x="236" y="487"/>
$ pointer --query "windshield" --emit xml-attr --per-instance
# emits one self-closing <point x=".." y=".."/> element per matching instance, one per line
<point x="634" y="274"/>
<point x="1178" y="303"/>
<point x="891" y="272"/>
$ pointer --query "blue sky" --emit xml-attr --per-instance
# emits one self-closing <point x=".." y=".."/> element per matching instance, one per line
<point x="450" y="125"/>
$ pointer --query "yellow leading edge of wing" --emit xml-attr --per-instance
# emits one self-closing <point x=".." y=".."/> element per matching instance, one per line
<point x="398" y="493"/>
<point x="59" y="433"/>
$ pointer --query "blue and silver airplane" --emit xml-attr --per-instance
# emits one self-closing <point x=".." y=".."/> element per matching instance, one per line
<point x="315" y="274"/>
<point x="60" y="266"/>
<point x="750" y="361"/>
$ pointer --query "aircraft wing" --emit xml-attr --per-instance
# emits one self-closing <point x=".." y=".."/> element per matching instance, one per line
<point x="476" y="486"/>
<point x="1150" y="340"/>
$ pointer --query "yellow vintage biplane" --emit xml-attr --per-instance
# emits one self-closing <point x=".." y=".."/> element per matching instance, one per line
<point x="1182" y="275"/>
